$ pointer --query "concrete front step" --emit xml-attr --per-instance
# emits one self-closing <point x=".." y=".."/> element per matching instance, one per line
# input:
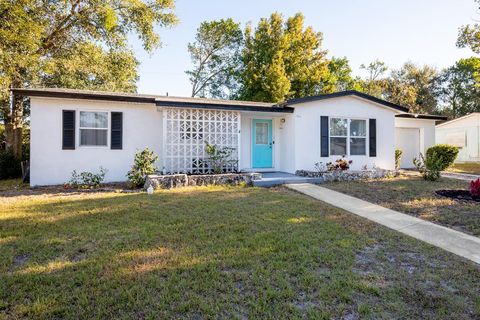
<point x="271" y="179"/>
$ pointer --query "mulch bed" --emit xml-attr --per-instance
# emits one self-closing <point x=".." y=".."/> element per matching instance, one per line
<point x="458" y="195"/>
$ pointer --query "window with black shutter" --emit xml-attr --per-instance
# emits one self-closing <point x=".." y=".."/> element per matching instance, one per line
<point x="372" y="137"/>
<point x="116" y="134"/>
<point x="324" y="136"/>
<point x="68" y="129"/>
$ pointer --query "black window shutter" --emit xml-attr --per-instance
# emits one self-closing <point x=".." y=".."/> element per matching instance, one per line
<point x="324" y="136"/>
<point x="68" y="129"/>
<point x="373" y="137"/>
<point x="116" y="134"/>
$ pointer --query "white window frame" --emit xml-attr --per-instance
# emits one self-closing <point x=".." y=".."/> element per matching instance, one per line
<point x="348" y="136"/>
<point x="80" y="145"/>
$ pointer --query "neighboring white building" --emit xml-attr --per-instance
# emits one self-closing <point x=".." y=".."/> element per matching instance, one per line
<point x="83" y="130"/>
<point x="464" y="133"/>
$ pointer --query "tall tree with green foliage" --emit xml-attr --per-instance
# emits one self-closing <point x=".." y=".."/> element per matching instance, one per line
<point x="216" y="58"/>
<point x="469" y="36"/>
<point x="375" y="82"/>
<point x="339" y="77"/>
<point x="36" y="36"/>
<point x="413" y="87"/>
<point x="458" y="88"/>
<point x="282" y="59"/>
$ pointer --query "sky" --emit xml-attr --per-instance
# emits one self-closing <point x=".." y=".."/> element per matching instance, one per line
<point x="394" y="31"/>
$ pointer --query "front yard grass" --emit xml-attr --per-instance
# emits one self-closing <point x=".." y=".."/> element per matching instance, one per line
<point x="414" y="196"/>
<point x="469" y="168"/>
<point x="218" y="252"/>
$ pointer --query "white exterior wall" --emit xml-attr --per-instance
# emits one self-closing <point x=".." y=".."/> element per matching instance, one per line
<point x="49" y="164"/>
<point x="307" y="132"/>
<point x="426" y="127"/>
<point x="467" y="128"/>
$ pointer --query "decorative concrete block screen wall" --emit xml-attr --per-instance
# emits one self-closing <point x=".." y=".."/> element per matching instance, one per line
<point x="187" y="131"/>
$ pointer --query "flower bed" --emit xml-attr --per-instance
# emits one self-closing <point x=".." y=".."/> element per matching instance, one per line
<point x="348" y="175"/>
<point x="464" y="195"/>
<point x="182" y="180"/>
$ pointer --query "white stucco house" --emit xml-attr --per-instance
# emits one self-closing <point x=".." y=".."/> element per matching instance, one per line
<point x="463" y="132"/>
<point x="83" y="130"/>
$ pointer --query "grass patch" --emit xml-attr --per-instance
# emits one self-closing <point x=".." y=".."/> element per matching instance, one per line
<point x="12" y="185"/>
<point x="469" y="168"/>
<point x="414" y="196"/>
<point x="218" y="252"/>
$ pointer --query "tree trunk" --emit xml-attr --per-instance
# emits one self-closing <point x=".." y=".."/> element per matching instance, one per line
<point x="14" y="128"/>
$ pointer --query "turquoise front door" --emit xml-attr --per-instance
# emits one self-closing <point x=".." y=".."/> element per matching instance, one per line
<point x="262" y="143"/>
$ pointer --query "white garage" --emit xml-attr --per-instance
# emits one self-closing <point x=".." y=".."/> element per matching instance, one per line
<point x="414" y="134"/>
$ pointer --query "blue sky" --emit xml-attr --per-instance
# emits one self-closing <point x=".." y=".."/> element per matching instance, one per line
<point x="395" y="31"/>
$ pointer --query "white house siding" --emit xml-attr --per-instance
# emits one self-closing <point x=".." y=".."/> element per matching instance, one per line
<point x="425" y="133"/>
<point x="142" y="127"/>
<point x="307" y="132"/>
<point x="463" y="133"/>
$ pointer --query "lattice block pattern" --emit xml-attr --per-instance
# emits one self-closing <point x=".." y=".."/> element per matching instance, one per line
<point x="187" y="131"/>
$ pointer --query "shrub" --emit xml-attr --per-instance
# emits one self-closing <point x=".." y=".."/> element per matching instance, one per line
<point x="475" y="188"/>
<point x="10" y="166"/>
<point x="446" y="152"/>
<point x="429" y="166"/>
<point x="398" y="158"/>
<point x="339" y="164"/>
<point x="144" y="164"/>
<point x="219" y="158"/>
<point x="87" y="179"/>
<point x="320" y="166"/>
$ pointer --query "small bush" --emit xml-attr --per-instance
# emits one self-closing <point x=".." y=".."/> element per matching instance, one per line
<point x="398" y="158"/>
<point x="475" y="188"/>
<point x="447" y="153"/>
<point x="218" y="158"/>
<point x="429" y="166"/>
<point x="339" y="164"/>
<point x="87" y="179"/>
<point x="10" y="166"/>
<point x="144" y="164"/>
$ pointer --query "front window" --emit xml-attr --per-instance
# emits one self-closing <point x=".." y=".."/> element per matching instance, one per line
<point x="348" y="137"/>
<point x="93" y="128"/>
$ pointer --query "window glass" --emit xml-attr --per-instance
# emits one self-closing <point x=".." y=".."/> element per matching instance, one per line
<point x="358" y="128"/>
<point x="338" y="127"/>
<point x="93" y="119"/>
<point x="338" y="146"/>
<point x="93" y="128"/>
<point x="261" y="133"/>
<point x="358" y="146"/>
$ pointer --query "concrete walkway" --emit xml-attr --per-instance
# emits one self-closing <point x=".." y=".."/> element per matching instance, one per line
<point x="462" y="244"/>
<point x="460" y="176"/>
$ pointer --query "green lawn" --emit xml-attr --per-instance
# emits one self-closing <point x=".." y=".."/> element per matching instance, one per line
<point x="218" y="252"/>
<point x="471" y="168"/>
<point x="414" y="196"/>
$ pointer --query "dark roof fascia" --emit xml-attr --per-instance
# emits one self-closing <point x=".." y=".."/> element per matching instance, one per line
<point x="85" y="96"/>
<point x="421" y="116"/>
<point x="239" y="107"/>
<point x="345" y="94"/>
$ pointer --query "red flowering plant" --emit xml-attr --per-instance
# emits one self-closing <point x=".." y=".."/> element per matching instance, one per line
<point x="339" y="164"/>
<point x="475" y="188"/>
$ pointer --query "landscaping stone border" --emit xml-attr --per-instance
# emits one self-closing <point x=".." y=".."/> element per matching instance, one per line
<point x="182" y="180"/>
<point x="348" y="175"/>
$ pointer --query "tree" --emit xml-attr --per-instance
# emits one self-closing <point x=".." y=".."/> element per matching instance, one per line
<point x="469" y="36"/>
<point x="458" y="88"/>
<point x="281" y="60"/>
<point x="339" y="76"/>
<point x="412" y="86"/>
<point x="374" y="84"/>
<point x="34" y="34"/>
<point x="215" y="55"/>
